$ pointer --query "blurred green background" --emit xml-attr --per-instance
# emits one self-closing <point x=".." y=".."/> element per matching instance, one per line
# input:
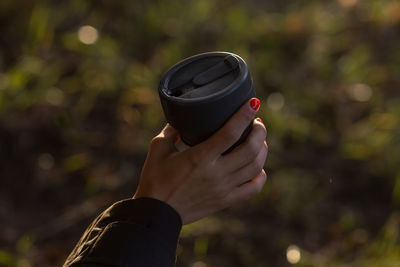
<point x="79" y="106"/>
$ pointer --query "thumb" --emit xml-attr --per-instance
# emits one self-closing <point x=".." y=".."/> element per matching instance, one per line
<point x="164" y="143"/>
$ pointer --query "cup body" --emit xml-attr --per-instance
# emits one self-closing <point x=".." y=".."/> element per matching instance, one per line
<point x="200" y="93"/>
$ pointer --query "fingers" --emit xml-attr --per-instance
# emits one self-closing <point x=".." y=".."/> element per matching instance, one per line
<point x="247" y="190"/>
<point x="250" y="170"/>
<point x="247" y="151"/>
<point x="231" y="131"/>
<point x="164" y="143"/>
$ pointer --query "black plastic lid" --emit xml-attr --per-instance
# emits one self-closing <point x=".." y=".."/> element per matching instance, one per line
<point x="204" y="77"/>
<point x="201" y="92"/>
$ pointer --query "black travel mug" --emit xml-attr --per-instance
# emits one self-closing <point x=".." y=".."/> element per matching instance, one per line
<point x="200" y="93"/>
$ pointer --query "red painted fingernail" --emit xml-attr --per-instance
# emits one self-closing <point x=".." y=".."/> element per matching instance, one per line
<point x="259" y="120"/>
<point x="255" y="104"/>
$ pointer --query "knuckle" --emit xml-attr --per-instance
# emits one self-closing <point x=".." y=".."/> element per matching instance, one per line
<point x="231" y="134"/>
<point x="254" y="148"/>
<point x="197" y="158"/>
<point x="247" y="116"/>
<point x="255" y="168"/>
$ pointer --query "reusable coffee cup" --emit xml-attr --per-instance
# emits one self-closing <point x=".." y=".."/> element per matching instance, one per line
<point x="200" y="93"/>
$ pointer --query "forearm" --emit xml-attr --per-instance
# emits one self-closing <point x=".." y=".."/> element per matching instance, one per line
<point x="134" y="232"/>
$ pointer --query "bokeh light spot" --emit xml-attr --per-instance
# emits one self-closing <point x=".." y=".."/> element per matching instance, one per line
<point x="88" y="34"/>
<point x="46" y="161"/>
<point x="293" y="254"/>
<point x="275" y="101"/>
<point x="199" y="264"/>
<point x="348" y="3"/>
<point x="360" y="92"/>
<point x="55" y="96"/>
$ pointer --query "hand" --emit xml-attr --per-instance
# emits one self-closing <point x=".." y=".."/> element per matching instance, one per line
<point x="200" y="181"/>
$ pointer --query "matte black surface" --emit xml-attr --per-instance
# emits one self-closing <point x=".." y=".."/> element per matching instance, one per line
<point x="200" y="93"/>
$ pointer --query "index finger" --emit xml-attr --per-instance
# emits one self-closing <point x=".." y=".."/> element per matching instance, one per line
<point x="231" y="131"/>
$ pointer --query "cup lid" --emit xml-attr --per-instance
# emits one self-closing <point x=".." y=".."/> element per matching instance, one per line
<point x="204" y="76"/>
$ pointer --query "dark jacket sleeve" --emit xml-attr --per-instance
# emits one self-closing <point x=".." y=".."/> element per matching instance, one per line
<point x="135" y="232"/>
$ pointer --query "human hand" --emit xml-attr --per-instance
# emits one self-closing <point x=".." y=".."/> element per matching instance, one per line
<point x="199" y="181"/>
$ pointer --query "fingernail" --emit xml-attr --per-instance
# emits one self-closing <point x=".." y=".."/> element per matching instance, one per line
<point x="177" y="138"/>
<point x="255" y="103"/>
<point x="259" y="120"/>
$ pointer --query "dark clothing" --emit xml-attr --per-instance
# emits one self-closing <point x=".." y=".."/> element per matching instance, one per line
<point x="134" y="232"/>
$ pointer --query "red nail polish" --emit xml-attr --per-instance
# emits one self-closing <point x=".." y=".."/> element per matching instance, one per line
<point x="255" y="104"/>
<point x="259" y="120"/>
